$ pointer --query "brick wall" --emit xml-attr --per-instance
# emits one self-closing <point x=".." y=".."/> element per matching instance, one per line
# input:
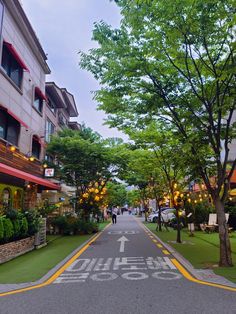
<point x="11" y="250"/>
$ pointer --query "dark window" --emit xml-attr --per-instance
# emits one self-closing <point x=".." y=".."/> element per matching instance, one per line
<point x="49" y="158"/>
<point x="36" y="147"/>
<point x="11" y="66"/>
<point x="9" y="128"/>
<point x="3" y="124"/>
<point x="51" y="105"/>
<point x="38" y="102"/>
<point x="50" y="129"/>
<point x="62" y="120"/>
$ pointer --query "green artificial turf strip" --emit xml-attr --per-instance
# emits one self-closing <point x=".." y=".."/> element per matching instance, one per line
<point x="102" y="225"/>
<point x="202" y="250"/>
<point x="33" y="265"/>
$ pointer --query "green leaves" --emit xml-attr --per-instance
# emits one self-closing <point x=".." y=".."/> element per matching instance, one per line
<point x="171" y="62"/>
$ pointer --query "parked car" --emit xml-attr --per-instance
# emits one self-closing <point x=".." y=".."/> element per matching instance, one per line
<point x="167" y="214"/>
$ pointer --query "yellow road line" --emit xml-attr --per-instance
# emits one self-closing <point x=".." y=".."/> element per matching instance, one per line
<point x="154" y="241"/>
<point x="166" y="252"/>
<point x="188" y="276"/>
<point x="59" y="271"/>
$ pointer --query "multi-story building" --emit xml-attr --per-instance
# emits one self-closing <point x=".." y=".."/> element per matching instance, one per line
<point x="60" y="107"/>
<point x="23" y="108"/>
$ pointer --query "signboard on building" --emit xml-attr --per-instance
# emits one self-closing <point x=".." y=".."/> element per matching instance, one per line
<point x="49" y="172"/>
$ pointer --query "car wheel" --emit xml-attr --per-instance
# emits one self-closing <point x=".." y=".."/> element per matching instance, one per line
<point x="154" y="219"/>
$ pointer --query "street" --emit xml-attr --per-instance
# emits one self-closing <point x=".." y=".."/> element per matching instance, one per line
<point x="126" y="271"/>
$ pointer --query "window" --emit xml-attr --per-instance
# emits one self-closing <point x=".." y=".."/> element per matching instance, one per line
<point x="11" y="66"/>
<point x="62" y="120"/>
<point x="17" y="199"/>
<point x="38" y="101"/>
<point x="6" y="197"/>
<point x="36" y="147"/>
<point x="9" y="128"/>
<point x="50" y="129"/>
<point x="51" y="105"/>
<point x="49" y="158"/>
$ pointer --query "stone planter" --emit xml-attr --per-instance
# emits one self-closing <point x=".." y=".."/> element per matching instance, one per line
<point x="13" y="249"/>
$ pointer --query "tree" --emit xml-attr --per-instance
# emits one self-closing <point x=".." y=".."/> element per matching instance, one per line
<point x="174" y="62"/>
<point x="85" y="163"/>
<point x="116" y="194"/>
<point x="167" y="166"/>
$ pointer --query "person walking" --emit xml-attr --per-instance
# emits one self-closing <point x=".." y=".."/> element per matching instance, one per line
<point x="114" y="215"/>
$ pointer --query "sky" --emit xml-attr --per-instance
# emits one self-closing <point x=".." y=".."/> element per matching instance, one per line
<point x="63" y="30"/>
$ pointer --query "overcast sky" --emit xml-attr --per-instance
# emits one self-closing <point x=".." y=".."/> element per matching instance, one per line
<point x="64" y="28"/>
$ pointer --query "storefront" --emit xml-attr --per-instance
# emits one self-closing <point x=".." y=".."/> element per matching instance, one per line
<point x="21" y="190"/>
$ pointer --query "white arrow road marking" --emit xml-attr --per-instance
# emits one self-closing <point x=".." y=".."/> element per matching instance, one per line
<point x="122" y="241"/>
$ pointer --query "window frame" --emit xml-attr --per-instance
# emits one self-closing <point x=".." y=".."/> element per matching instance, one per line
<point x="54" y="111"/>
<point x="39" y="108"/>
<point x="12" y="122"/>
<point x="8" y="68"/>
<point x="48" y="134"/>
<point x="36" y="141"/>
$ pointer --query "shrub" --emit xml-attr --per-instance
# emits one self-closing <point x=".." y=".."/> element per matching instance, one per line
<point x="8" y="229"/>
<point x="16" y="227"/>
<point x="12" y="214"/>
<point x="33" y="221"/>
<point x="61" y="223"/>
<point x="72" y="225"/>
<point x="200" y="212"/>
<point x="24" y="227"/>
<point x="89" y="227"/>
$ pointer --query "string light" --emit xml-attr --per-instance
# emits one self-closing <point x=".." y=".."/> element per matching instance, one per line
<point x="12" y="148"/>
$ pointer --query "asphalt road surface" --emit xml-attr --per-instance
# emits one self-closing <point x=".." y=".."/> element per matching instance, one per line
<point x="124" y="271"/>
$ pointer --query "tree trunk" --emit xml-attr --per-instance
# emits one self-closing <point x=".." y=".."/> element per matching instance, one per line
<point x="225" y="248"/>
<point x="178" y="239"/>
<point x="159" y="216"/>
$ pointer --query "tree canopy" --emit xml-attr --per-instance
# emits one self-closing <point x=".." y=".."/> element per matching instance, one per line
<point x="174" y="62"/>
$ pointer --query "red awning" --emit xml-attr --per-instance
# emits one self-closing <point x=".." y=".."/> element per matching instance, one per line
<point x="15" y="117"/>
<point x="16" y="55"/>
<point x="28" y="177"/>
<point x="40" y="93"/>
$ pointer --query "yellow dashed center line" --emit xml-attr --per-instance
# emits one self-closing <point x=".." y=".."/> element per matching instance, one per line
<point x="154" y="241"/>
<point x="165" y="252"/>
<point x="159" y="245"/>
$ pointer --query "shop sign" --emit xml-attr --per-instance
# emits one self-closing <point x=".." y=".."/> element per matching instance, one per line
<point x="49" y="172"/>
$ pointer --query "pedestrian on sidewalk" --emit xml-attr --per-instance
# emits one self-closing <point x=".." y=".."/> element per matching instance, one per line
<point x="114" y="214"/>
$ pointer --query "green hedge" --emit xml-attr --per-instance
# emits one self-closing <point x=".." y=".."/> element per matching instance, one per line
<point x="73" y="225"/>
<point x="15" y="225"/>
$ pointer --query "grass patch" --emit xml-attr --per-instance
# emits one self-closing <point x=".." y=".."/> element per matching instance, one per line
<point x="102" y="225"/>
<point x="35" y="264"/>
<point x="202" y="250"/>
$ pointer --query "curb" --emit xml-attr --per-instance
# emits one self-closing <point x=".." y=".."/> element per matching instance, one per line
<point x="4" y="288"/>
<point x="205" y="276"/>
